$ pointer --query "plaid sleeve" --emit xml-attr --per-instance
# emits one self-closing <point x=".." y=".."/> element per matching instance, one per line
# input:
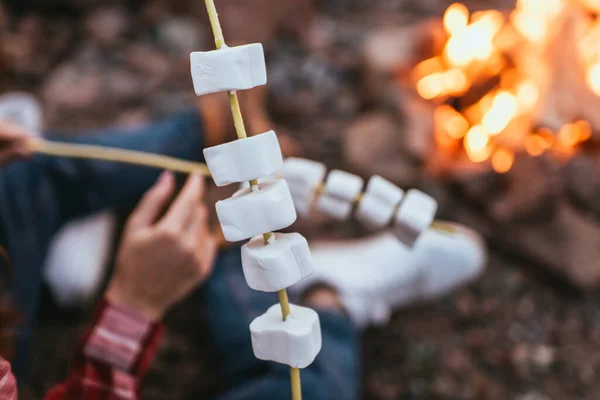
<point x="8" y="386"/>
<point x="114" y="355"/>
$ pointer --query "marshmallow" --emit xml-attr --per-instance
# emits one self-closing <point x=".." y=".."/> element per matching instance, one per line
<point x="303" y="177"/>
<point x="229" y="68"/>
<point x="278" y="265"/>
<point x="295" y="341"/>
<point x="341" y="191"/>
<point x="250" y="213"/>
<point x="244" y="159"/>
<point x="378" y="203"/>
<point x="414" y="216"/>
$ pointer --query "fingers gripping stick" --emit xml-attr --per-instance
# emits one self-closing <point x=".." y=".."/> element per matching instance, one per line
<point x="294" y="336"/>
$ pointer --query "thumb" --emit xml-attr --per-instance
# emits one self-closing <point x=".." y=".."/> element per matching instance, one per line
<point x="154" y="201"/>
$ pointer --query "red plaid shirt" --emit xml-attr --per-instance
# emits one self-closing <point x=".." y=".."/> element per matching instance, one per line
<point x="109" y="364"/>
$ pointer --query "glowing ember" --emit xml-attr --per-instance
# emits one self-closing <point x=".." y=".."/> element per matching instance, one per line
<point x="532" y="18"/>
<point x="535" y="145"/>
<point x="502" y="111"/>
<point x="476" y="143"/>
<point x="456" y="18"/>
<point x="593" y="78"/>
<point x="503" y="160"/>
<point x="474" y="42"/>
<point x="480" y="46"/>
<point x="528" y="96"/>
<point x="452" y="82"/>
<point x="451" y="122"/>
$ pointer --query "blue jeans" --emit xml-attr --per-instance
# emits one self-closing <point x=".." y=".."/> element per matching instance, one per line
<point x="232" y="305"/>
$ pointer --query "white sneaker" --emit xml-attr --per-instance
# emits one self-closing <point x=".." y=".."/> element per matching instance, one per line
<point x="78" y="259"/>
<point x="374" y="276"/>
<point x="22" y="109"/>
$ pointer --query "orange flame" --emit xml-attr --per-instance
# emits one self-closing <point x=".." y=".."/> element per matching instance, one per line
<point x="593" y="78"/>
<point x="477" y="144"/>
<point x="503" y="160"/>
<point x="478" y="47"/>
<point x="503" y="109"/>
<point x="475" y="41"/>
<point x="451" y="122"/>
<point x="456" y="18"/>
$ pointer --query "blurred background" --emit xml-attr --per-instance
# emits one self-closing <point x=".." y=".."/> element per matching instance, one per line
<point x="489" y="106"/>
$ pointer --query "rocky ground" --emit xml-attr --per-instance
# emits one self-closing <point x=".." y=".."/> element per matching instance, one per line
<point x="518" y="333"/>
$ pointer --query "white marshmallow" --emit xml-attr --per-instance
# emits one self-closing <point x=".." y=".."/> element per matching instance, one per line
<point x="244" y="159"/>
<point x="378" y="203"/>
<point x="278" y="265"/>
<point x="303" y="178"/>
<point x="230" y="68"/>
<point x="414" y="216"/>
<point x="340" y="193"/>
<point x="250" y="213"/>
<point x="295" y="341"/>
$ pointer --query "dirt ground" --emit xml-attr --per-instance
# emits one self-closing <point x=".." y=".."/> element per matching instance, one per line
<point x="511" y="335"/>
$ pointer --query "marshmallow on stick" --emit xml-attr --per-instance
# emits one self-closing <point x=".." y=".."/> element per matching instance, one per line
<point x="280" y="260"/>
<point x="381" y="205"/>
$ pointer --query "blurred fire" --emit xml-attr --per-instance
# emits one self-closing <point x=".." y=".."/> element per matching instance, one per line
<point x="481" y="46"/>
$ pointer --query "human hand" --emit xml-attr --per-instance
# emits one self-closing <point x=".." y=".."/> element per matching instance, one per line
<point x="13" y="142"/>
<point x="162" y="259"/>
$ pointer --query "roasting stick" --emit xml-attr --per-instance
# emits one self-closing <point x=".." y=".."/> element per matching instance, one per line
<point x="240" y="129"/>
<point x="117" y="155"/>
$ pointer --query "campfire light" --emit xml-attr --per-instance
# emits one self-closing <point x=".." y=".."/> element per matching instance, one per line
<point x="502" y="160"/>
<point x="480" y="49"/>
<point x="503" y="110"/>
<point x="593" y="78"/>
<point x="477" y="144"/>
<point x="475" y="41"/>
<point x="456" y="18"/>
<point x="528" y="96"/>
<point x="532" y="18"/>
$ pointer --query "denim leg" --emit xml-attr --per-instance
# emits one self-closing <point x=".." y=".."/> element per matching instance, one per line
<point x="232" y="305"/>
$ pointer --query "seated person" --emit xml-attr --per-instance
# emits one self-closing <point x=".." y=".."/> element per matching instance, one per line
<point x="355" y="284"/>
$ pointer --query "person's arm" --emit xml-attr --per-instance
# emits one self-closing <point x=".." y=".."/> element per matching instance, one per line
<point x="58" y="189"/>
<point x="159" y="262"/>
<point x="113" y="356"/>
<point x="8" y="386"/>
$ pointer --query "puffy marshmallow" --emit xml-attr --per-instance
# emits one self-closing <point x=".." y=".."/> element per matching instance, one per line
<point x="378" y="203"/>
<point x="229" y="68"/>
<point x="340" y="193"/>
<point x="278" y="265"/>
<point x="244" y="159"/>
<point x="295" y="341"/>
<point x="303" y="178"/>
<point x="250" y="213"/>
<point x="414" y="216"/>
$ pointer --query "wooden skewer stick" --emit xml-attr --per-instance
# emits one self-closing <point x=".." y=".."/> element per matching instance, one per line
<point x="116" y="155"/>
<point x="241" y="134"/>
